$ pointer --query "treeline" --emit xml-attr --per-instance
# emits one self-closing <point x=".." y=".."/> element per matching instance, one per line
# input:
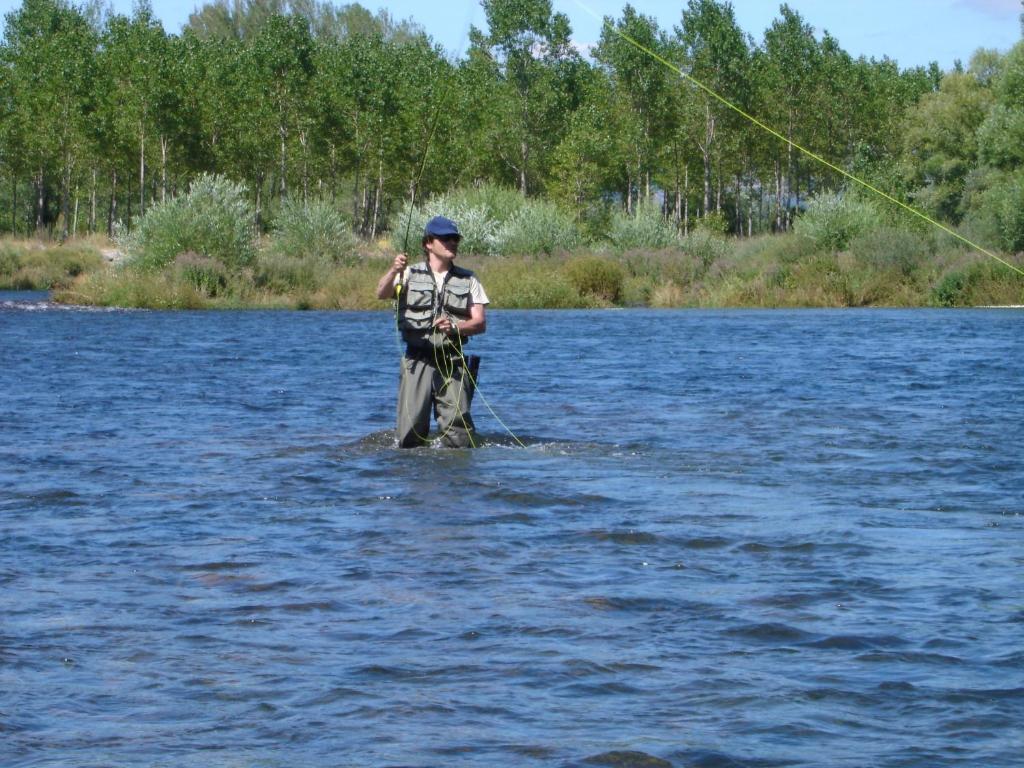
<point x="102" y="116"/>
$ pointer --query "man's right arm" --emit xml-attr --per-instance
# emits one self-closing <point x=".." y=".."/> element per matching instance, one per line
<point x="386" y="286"/>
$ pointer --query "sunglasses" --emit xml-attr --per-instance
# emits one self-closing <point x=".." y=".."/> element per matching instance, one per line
<point x="450" y="238"/>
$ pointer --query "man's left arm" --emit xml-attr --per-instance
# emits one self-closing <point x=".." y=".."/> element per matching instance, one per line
<point x="477" y="322"/>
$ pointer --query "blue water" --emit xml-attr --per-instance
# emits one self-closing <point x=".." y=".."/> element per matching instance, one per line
<point x="733" y="538"/>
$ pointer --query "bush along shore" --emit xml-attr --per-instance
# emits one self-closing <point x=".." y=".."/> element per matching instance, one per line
<point x="198" y="251"/>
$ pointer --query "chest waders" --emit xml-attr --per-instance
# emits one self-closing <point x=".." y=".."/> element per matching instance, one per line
<point x="435" y="374"/>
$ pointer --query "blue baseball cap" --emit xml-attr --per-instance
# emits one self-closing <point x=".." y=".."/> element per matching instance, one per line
<point x="439" y="226"/>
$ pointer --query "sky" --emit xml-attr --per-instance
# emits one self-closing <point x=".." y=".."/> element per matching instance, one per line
<point x="913" y="32"/>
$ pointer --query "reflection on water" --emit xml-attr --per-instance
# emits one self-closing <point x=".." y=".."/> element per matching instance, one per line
<point x="732" y="538"/>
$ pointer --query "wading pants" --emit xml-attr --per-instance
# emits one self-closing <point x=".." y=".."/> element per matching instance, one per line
<point x="442" y="384"/>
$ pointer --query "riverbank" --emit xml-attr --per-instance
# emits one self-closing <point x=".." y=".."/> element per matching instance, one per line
<point x="892" y="269"/>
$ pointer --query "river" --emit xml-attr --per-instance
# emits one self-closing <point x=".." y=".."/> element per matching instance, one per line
<point x="730" y="538"/>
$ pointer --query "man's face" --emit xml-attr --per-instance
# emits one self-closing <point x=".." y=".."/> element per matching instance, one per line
<point x="445" y="247"/>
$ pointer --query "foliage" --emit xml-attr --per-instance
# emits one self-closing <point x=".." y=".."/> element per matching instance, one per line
<point x="1007" y="201"/>
<point x="208" y="276"/>
<point x="884" y="249"/>
<point x="647" y="228"/>
<point x="831" y="220"/>
<point x="493" y="220"/>
<point x="596" y="276"/>
<point x="704" y="246"/>
<point x="213" y="219"/>
<point x="315" y="230"/>
<point x="105" y="118"/>
<point x="536" y="227"/>
<point x="980" y="282"/>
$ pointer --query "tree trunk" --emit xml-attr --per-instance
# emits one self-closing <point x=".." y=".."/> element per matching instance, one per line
<point x="142" y="173"/>
<point x="259" y="205"/>
<point x="112" y="210"/>
<point x="524" y="156"/>
<point x="677" y="211"/>
<point x="739" y="207"/>
<point x="40" y="204"/>
<point x="163" y="169"/>
<point x="686" y="202"/>
<point x="303" y="140"/>
<point x="778" y="196"/>
<point x="789" y="170"/>
<point x="74" y="219"/>
<point x="92" y="204"/>
<point x="65" y="196"/>
<point x="284" y="161"/>
<point x="334" y="174"/>
<point x="376" y="199"/>
<point x="14" y="205"/>
<point x="709" y="137"/>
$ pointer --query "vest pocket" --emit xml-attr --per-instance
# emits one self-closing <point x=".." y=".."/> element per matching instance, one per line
<point x="457" y="298"/>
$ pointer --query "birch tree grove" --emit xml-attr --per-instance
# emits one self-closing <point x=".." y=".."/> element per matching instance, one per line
<point x="103" y="115"/>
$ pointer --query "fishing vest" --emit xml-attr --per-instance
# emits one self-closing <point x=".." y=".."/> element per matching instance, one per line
<point x="419" y="305"/>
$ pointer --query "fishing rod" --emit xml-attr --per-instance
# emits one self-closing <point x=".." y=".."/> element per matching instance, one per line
<point x="814" y="156"/>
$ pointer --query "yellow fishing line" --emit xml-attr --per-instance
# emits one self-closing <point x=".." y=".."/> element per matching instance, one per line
<point x="611" y="27"/>
<point x="476" y="390"/>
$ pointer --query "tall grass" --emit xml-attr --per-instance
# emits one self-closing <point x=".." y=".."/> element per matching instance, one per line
<point x="39" y="266"/>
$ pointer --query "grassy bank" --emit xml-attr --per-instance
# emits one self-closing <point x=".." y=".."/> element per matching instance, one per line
<point x="32" y="265"/>
<point x="883" y="268"/>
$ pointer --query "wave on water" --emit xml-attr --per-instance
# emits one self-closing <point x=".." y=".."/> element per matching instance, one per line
<point x="385" y="440"/>
<point x="44" y="305"/>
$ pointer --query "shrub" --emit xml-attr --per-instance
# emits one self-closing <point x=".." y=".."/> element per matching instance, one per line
<point x="538" y="226"/>
<point x="213" y="219"/>
<point x="500" y="203"/>
<point x="981" y="282"/>
<point x="596" y="276"/>
<point x="478" y="228"/>
<point x="647" y="228"/>
<point x="831" y="220"/>
<point x="667" y="295"/>
<point x="716" y="223"/>
<point x="315" y="230"/>
<point x="208" y="276"/>
<point x="892" y="249"/>
<point x="37" y="266"/>
<point x="282" y="274"/>
<point x="493" y="220"/>
<point x="705" y="246"/>
<point x="1008" y="202"/>
<point x="511" y="284"/>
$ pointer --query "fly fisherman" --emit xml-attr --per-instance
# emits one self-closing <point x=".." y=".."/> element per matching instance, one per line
<point x="440" y="305"/>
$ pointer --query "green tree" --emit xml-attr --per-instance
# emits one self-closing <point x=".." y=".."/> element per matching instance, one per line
<point x="644" y="82"/>
<point x="536" y="69"/>
<point x="718" y="55"/>
<point x="1001" y="136"/>
<point x="940" y="142"/>
<point x="137" y="57"/>
<point x="790" y="73"/>
<point x="49" y="54"/>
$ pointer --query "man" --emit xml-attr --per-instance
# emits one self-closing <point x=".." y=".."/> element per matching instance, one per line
<point x="440" y="306"/>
